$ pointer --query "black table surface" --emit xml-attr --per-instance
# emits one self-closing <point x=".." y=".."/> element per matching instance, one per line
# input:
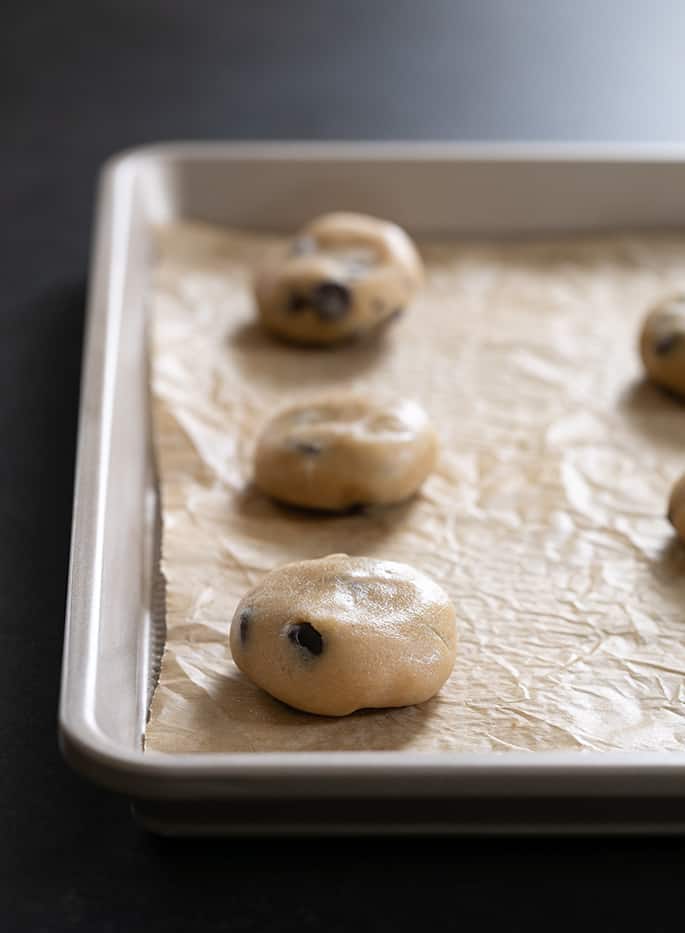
<point x="82" y="80"/>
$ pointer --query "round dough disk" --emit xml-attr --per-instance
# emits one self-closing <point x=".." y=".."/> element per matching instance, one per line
<point x="343" y="275"/>
<point x="662" y="343"/>
<point x="676" y="507"/>
<point x="338" y="634"/>
<point x="345" y="451"/>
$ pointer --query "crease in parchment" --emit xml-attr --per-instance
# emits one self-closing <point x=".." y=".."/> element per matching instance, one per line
<point x="544" y="518"/>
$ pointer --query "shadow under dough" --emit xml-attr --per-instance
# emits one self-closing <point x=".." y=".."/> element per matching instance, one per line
<point x="669" y="565"/>
<point x="361" y="525"/>
<point x="258" y="722"/>
<point x="280" y="364"/>
<point x="652" y="410"/>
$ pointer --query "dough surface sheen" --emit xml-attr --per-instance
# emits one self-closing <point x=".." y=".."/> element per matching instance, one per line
<point x="341" y="277"/>
<point x="343" y="451"/>
<point x="662" y="343"/>
<point x="339" y="633"/>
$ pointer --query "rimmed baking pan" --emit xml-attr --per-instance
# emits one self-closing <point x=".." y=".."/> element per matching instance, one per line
<point x="114" y="627"/>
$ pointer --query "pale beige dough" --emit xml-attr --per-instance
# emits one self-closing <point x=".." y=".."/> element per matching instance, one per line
<point x="338" y="634"/>
<point x="676" y="507"/>
<point x="662" y="343"/>
<point x="345" y="451"/>
<point x="342" y="276"/>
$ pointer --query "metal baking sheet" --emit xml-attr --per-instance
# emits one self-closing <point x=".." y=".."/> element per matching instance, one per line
<point x="112" y="639"/>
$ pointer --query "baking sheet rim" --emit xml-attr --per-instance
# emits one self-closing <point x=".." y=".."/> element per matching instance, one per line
<point x="114" y="765"/>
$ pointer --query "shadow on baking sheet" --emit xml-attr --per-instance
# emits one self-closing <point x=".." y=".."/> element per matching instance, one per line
<point x="253" y="349"/>
<point x="669" y="565"/>
<point x="650" y="410"/>
<point x="253" y="721"/>
<point x="359" y="530"/>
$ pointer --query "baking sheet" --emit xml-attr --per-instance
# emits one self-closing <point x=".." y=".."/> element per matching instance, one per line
<point x="544" y="519"/>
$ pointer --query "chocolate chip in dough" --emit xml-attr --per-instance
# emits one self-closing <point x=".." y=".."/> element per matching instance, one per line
<point x="341" y="633"/>
<point x="331" y="300"/>
<point x="665" y="344"/>
<point x="341" y="453"/>
<point x="306" y="636"/>
<point x="245" y="619"/>
<point x="297" y="302"/>
<point x="338" y="279"/>
<point x="307" y="448"/>
<point x="661" y="344"/>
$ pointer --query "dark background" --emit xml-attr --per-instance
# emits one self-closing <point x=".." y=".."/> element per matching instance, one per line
<point x="81" y="80"/>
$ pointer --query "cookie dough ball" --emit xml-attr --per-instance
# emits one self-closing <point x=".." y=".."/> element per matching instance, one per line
<point x="676" y="507"/>
<point x="662" y="344"/>
<point x="343" y="275"/>
<point x="342" y="452"/>
<point x="338" y="634"/>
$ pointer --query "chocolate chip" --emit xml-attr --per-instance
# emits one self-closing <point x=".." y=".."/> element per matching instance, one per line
<point x="306" y="636"/>
<point x="666" y="343"/>
<point x="297" y="302"/>
<point x="331" y="300"/>
<point x="307" y="448"/>
<point x="245" y="619"/>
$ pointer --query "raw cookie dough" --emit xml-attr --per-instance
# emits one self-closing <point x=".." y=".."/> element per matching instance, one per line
<point x="676" y="507"/>
<point x="662" y="343"/>
<point x="341" y="633"/>
<point x="343" y="275"/>
<point x="345" y="451"/>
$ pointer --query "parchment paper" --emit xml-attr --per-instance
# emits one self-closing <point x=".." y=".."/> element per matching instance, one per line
<point x="544" y="520"/>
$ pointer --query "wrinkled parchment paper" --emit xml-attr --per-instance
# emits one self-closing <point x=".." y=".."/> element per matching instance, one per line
<point x="544" y="520"/>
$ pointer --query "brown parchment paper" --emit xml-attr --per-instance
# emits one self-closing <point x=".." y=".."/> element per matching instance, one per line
<point x="544" y="520"/>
